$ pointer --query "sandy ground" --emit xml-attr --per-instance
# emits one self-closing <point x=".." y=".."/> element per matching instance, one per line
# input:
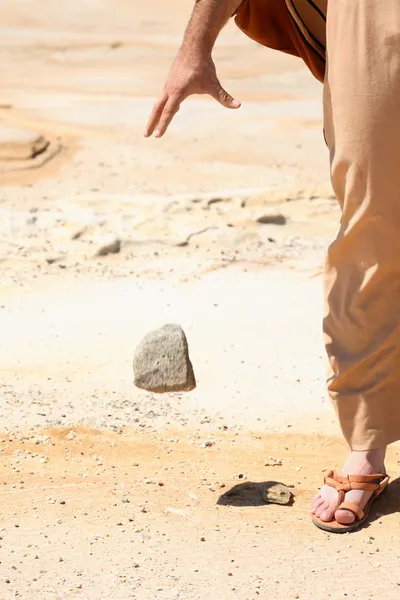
<point x="107" y="491"/>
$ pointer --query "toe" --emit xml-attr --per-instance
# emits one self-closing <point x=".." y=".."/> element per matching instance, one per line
<point x="327" y="515"/>
<point x="316" y="500"/>
<point x="344" y="517"/>
<point x="322" y="508"/>
<point x="316" y="505"/>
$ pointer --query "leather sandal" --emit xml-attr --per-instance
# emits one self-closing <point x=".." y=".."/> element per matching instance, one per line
<point x="344" y="483"/>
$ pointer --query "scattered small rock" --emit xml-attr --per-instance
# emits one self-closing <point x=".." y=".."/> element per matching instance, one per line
<point x="109" y="245"/>
<point x="273" y="462"/>
<point x="272" y="219"/>
<point x="277" y="493"/>
<point x="41" y="439"/>
<point x="162" y="364"/>
<point x="51" y="260"/>
<point x="207" y="444"/>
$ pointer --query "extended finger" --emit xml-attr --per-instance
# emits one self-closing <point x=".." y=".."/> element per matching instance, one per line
<point x="170" y="110"/>
<point x="155" y="116"/>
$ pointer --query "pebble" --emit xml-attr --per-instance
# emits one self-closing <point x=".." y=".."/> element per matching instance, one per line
<point x="273" y="462"/>
<point x="272" y="219"/>
<point x="207" y="444"/>
<point x="109" y="245"/>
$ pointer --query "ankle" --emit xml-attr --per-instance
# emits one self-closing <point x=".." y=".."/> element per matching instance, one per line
<point x="374" y="458"/>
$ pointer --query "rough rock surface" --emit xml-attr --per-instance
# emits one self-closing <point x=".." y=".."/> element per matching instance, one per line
<point x="277" y="493"/>
<point x="162" y="364"/>
<point x="20" y="144"/>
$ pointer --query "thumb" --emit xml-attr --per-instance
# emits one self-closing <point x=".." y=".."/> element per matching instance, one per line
<point x="224" y="98"/>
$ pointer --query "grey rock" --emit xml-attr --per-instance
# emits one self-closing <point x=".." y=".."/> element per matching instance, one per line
<point x="161" y="362"/>
<point x="276" y="493"/>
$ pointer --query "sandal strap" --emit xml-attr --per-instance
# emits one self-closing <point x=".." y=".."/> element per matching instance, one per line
<point x="353" y="508"/>
<point x="366" y="483"/>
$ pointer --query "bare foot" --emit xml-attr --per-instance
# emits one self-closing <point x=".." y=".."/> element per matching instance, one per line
<point x="360" y="463"/>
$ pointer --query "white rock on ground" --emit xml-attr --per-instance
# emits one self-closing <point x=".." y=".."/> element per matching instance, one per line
<point x="20" y="144"/>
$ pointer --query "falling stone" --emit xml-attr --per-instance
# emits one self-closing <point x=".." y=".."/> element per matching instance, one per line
<point x="276" y="493"/>
<point x="162" y="364"/>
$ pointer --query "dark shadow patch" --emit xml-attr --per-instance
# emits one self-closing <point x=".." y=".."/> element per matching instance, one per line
<point x="388" y="503"/>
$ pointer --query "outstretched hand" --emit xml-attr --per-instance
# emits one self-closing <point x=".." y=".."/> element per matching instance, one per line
<point x="188" y="76"/>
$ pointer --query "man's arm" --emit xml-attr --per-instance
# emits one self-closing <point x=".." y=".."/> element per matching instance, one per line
<point x="193" y="71"/>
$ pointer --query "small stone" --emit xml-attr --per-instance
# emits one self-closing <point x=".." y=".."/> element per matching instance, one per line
<point x="277" y="493"/>
<point x="71" y="435"/>
<point x="162" y="364"/>
<point x="20" y="144"/>
<point x="273" y="462"/>
<point x="272" y="219"/>
<point x="203" y="539"/>
<point x="207" y="444"/>
<point x="109" y="245"/>
<point x="54" y="258"/>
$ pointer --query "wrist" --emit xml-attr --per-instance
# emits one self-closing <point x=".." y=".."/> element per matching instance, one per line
<point x="195" y="51"/>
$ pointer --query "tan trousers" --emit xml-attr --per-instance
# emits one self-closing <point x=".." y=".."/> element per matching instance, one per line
<point x="360" y="40"/>
<point x="362" y="282"/>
